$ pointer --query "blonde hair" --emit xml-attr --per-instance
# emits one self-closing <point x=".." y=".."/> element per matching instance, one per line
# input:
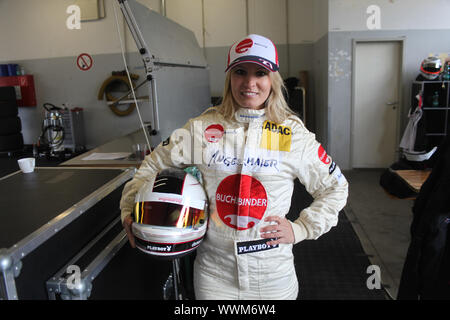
<point x="277" y="109"/>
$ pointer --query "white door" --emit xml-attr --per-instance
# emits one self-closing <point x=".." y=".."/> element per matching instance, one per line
<point x="376" y="103"/>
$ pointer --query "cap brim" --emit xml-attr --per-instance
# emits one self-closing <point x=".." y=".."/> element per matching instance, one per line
<point x="254" y="59"/>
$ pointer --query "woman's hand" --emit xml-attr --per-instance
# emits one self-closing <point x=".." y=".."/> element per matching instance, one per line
<point x="281" y="231"/>
<point x="127" y="222"/>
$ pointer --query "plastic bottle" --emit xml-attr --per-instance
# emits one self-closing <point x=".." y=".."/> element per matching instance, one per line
<point x="446" y="73"/>
<point x="436" y="99"/>
<point x="35" y="151"/>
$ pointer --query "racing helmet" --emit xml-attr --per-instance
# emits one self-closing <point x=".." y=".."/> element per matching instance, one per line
<point x="170" y="214"/>
<point x="430" y="68"/>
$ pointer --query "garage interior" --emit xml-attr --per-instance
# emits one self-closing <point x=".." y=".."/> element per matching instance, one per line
<point x="351" y="68"/>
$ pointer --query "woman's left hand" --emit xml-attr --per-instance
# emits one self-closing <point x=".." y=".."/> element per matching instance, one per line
<point x="281" y="231"/>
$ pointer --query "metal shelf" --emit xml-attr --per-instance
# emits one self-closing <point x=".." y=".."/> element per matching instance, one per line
<point x="438" y="125"/>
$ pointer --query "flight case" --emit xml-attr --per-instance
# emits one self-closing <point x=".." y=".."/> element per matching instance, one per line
<point x="48" y="217"/>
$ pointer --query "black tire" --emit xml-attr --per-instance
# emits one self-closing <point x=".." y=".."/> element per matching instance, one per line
<point x="8" y="94"/>
<point x="8" y="103"/>
<point x="7" y="109"/>
<point x="11" y="142"/>
<point x="10" y="125"/>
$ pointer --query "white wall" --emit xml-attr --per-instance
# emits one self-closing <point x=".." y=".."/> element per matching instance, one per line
<point x="32" y="29"/>
<point x="226" y="21"/>
<point x="155" y="5"/>
<point x="320" y="13"/>
<point x="268" y="18"/>
<point x="37" y="29"/>
<point x="350" y="15"/>
<point x="293" y="25"/>
<point x="42" y="31"/>
<point x="188" y="14"/>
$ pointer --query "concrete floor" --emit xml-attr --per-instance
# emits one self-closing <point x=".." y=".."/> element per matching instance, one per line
<point x="381" y="222"/>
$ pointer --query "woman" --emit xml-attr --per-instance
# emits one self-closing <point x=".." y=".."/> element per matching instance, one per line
<point x="252" y="147"/>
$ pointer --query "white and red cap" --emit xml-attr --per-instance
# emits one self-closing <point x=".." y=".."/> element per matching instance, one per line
<point x="254" y="49"/>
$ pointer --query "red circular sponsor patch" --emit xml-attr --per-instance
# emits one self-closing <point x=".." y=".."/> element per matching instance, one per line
<point x="244" y="45"/>
<point x="241" y="201"/>
<point x="323" y="156"/>
<point x="214" y="132"/>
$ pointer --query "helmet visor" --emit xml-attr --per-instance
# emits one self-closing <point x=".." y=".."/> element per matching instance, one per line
<point x="431" y="69"/>
<point x="431" y="66"/>
<point x="166" y="214"/>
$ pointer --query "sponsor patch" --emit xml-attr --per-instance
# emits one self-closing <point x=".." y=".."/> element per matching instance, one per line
<point x="167" y="248"/>
<point x="244" y="45"/>
<point x="253" y="163"/>
<point x="276" y="137"/>
<point x="214" y="133"/>
<point x="254" y="246"/>
<point x="339" y="176"/>
<point x="241" y="201"/>
<point x="323" y="156"/>
<point x="332" y="167"/>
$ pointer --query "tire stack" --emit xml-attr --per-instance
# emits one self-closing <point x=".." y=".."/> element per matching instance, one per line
<point x="11" y="138"/>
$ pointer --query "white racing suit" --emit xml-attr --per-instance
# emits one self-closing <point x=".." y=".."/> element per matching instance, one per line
<point x="248" y="166"/>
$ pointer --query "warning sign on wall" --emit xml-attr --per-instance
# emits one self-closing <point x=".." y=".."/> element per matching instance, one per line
<point x="84" y="62"/>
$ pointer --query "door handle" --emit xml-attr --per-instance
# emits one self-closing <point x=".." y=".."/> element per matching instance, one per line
<point x="392" y="103"/>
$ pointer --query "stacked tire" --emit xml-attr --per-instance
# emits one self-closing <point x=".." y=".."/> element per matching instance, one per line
<point x="11" y="138"/>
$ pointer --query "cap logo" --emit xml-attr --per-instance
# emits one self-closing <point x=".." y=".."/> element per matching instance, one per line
<point x="244" y="45"/>
<point x="266" y="63"/>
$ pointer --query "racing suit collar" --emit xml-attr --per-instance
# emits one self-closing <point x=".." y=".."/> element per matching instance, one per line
<point x="250" y="115"/>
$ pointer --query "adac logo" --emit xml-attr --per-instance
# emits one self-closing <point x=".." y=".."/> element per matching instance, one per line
<point x="214" y="132"/>
<point x="244" y="45"/>
<point x="241" y="201"/>
<point x="323" y="156"/>
<point x="276" y="137"/>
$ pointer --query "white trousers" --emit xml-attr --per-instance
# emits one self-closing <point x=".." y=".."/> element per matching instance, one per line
<point x="209" y="287"/>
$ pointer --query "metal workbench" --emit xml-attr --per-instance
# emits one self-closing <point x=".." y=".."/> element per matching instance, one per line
<point x="122" y="144"/>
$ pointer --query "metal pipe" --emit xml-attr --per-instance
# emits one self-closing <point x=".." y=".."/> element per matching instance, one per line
<point x="155" y="105"/>
<point x="203" y="28"/>
<point x="175" y="278"/>
<point x="163" y="8"/>
<point x="247" y="26"/>
<point x="287" y="38"/>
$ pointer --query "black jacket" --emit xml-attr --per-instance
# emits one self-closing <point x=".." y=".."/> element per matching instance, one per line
<point x="426" y="272"/>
